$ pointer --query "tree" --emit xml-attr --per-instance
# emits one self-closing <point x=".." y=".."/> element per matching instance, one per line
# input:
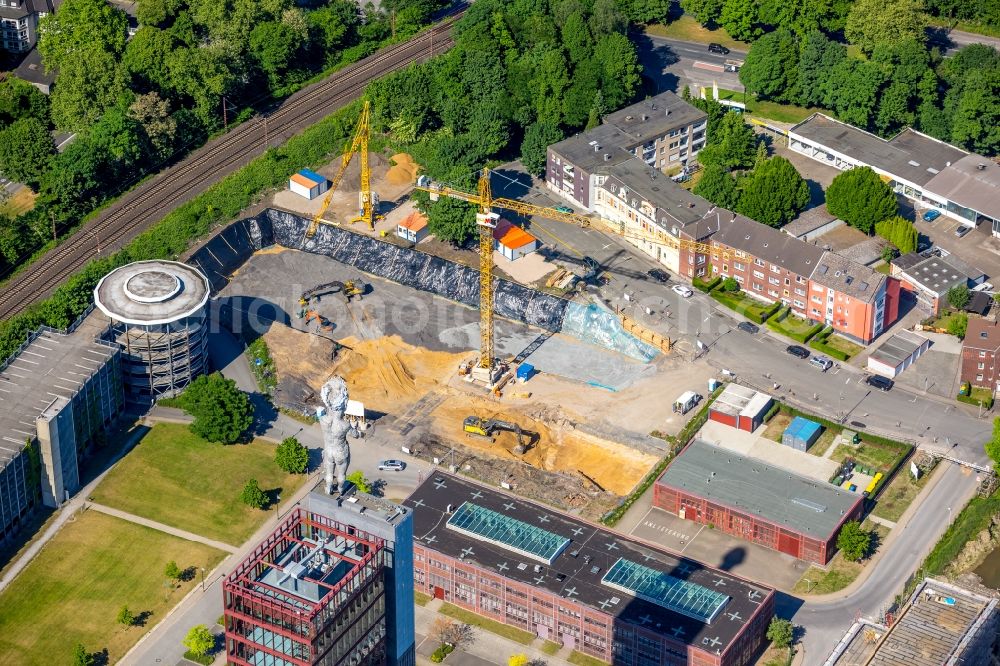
<point x="453" y="633"/>
<point x="976" y="123"/>
<point x="780" y="632"/>
<point x="26" y="147"/>
<point x="153" y="114"/>
<point x="645" y="11"/>
<point x="221" y="412"/>
<point x="252" y="495"/>
<point x="86" y="86"/>
<point x="703" y="11"/>
<point x="730" y="284"/>
<point x="537" y="138"/>
<point x="518" y="660"/>
<point x="125" y="617"/>
<point x="81" y="657"/>
<point x="146" y="57"/>
<point x="358" y="478"/>
<point x="172" y="571"/>
<point x="451" y="220"/>
<point x="718" y="186"/>
<point x="79" y="27"/>
<point x="274" y="45"/>
<point x="900" y="232"/>
<point x="621" y="70"/>
<point x="853" y="542"/>
<point x="874" y="22"/>
<point x="199" y="640"/>
<point x="19" y="99"/>
<point x="733" y="145"/>
<point x="291" y="456"/>
<point x="993" y="445"/>
<point x="958" y="296"/>
<point x="739" y="18"/>
<point x="771" y="68"/>
<point x="853" y="90"/>
<point x="606" y="18"/>
<point x="860" y="198"/>
<point x="773" y="193"/>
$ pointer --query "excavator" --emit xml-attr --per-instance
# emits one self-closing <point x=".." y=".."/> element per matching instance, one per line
<point x="487" y="428"/>
<point x="349" y="289"/>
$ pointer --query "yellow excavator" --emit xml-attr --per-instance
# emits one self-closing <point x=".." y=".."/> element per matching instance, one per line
<point x="350" y="289"/>
<point x="488" y="428"/>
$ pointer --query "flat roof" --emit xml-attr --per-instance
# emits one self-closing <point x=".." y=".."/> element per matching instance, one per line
<point x="934" y="623"/>
<point x="908" y="260"/>
<point x="808" y="221"/>
<point x="739" y="400"/>
<point x="595" y="149"/>
<point x="753" y="486"/>
<point x="54" y="365"/>
<point x="627" y="579"/>
<point x="910" y="155"/>
<point x="653" y="118"/>
<point x="152" y="292"/>
<point x="972" y="181"/>
<point x="937" y="274"/>
<point x="898" y="348"/>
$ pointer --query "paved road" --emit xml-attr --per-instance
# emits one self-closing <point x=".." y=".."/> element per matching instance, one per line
<point x="673" y="63"/>
<point x="953" y="40"/>
<point x="826" y="620"/>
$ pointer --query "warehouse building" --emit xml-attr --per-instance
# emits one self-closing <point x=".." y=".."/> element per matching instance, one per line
<point x="578" y="584"/>
<point x="740" y="407"/>
<point x="57" y="394"/>
<point x="940" y="624"/>
<point x="333" y="584"/>
<point x="756" y="501"/>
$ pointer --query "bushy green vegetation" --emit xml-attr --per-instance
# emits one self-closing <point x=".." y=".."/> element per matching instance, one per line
<point x="900" y="232"/>
<point x="861" y="198"/>
<point x="751" y="308"/>
<point x="262" y="365"/>
<point x="492" y="626"/>
<point x="834" y="346"/>
<point x="222" y="412"/>
<point x="978" y="396"/>
<point x="793" y="326"/>
<point x="706" y="285"/>
<point x="973" y="519"/>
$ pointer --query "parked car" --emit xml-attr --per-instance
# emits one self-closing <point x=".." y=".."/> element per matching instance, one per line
<point x="682" y="291"/>
<point x="821" y="362"/>
<point x="718" y="48"/>
<point x="564" y="209"/>
<point x="932" y="215"/>
<point x="747" y="327"/>
<point x="658" y="275"/>
<point x="797" y="351"/>
<point x="391" y="465"/>
<point x="879" y="382"/>
<point x="962" y="230"/>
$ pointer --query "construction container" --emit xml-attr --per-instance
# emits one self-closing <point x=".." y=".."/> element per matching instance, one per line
<point x="308" y="184"/>
<point x="524" y="372"/>
<point x="801" y="433"/>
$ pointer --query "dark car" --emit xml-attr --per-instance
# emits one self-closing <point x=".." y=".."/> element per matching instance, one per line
<point x="658" y="275"/>
<point x="879" y="382"/>
<point x="718" y="48"/>
<point x="932" y="215"/>
<point x="747" y="327"/>
<point x="797" y="351"/>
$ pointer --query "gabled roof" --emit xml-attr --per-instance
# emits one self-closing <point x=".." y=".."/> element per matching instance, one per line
<point x="415" y="221"/>
<point x="982" y="334"/>
<point x="769" y="244"/>
<point x="511" y="236"/>
<point x="848" y="277"/>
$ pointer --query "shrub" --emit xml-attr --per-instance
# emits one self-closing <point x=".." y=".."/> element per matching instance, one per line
<point x="252" y="495"/>
<point x="986" y="402"/>
<point x="291" y="456"/>
<point x="730" y="284"/>
<point x="853" y="541"/>
<point x="706" y="286"/>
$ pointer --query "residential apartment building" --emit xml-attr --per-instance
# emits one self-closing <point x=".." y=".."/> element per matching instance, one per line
<point x="563" y="579"/>
<point x="663" y="131"/>
<point x="981" y="354"/>
<point x="19" y="23"/>
<point x="924" y="170"/>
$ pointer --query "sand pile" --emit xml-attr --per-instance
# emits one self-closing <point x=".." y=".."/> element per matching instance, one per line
<point x="299" y="354"/>
<point x="403" y="171"/>
<point x="559" y="447"/>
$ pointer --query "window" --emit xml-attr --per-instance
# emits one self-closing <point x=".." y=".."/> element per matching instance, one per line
<point x="800" y="292"/>
<point x="772" y="293"/>
<point x="799" y="279"/>
<point x="774" y="280"/>
<point x="737" y="266"/>
<point x="739" y="278"/>
<point x="786" y="281"/>
<point x="725" y="268"/>
<point x="799" y="304"/>
<point x="979" y="378"/>
<point x="817" y="299"/>
<point x="982" y="354"/>
<point x="982" y="366"/>
<point x="758" y="274"/>
<point x="817" y="312"/>
<point x="775" y="269"/>
<point x="757" y="287"/>
<point x="759" y="262"/>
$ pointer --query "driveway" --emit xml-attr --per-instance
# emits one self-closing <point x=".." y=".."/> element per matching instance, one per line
<point x="978" y="247"/>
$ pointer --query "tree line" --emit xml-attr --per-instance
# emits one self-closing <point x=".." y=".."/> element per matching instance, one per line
<point x="522" y="75"/>
<point x="138" y="103"/>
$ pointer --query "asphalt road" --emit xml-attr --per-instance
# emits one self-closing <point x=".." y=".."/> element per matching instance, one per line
<point x="953" y="40"/>
<point x="673" y="63"/>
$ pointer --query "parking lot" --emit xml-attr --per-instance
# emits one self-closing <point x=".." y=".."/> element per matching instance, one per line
<point x="978" y="247"/>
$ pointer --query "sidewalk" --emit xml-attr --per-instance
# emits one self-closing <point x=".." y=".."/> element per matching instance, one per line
<point x="139" y="520"/>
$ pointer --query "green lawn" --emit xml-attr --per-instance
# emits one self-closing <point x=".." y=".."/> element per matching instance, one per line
<point x="492" y="626"/>
<point x="839" y="574"/>
<point x="550" y="647"/>
<point x="768" y="110"/>
<point x="690" y="30"/>
<point x="824" y="442"/>
<point x="743" y="304"/>
<point x="972" y="520"/>
<point x="793" y="327"/>
<point x="179" y="479"/>
<point x="898" y="495"/>
<point x="581" y="659"/>
<point x="833" y="344"/>
<point x="72" y="591"/>
<point x="884" y="268"/>
<point x="871" y="454"/>
<point x="421" y="599"/>
<point x="944" y="320"/>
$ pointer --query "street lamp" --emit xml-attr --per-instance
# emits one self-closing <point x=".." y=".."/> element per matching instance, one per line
<point x="202" y="579"/>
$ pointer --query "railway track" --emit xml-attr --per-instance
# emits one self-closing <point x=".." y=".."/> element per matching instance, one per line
<point x="141" y="208"/>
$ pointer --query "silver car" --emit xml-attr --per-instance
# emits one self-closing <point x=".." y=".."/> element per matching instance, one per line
<point x="391" y="465"/>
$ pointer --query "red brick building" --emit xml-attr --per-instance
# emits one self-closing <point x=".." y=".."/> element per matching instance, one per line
<point x="755" y="501"/>
<point x="981" y="354"/>
<point x="573" y="582"/>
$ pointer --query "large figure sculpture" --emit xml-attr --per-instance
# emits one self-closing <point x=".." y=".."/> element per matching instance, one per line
<point x="336" y="452"/>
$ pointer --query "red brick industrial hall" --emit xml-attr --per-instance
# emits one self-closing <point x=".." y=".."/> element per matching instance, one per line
<point x="756" y="501"/>
<point x="576" y="583"/>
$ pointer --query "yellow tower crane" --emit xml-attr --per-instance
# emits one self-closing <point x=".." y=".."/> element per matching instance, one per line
<point x="486" y="220"/>
<point x="368" y="200"/>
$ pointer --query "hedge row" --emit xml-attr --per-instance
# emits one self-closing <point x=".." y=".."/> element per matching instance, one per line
<point x="819" y="343"/>
<point x="170" y="237"/>
<point x="676" y="444"/>
<point x="702" y="285"/>
<point x="985" y="403"/>
<point x="806" y="336"/>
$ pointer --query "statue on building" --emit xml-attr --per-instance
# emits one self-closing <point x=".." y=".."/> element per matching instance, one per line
<point x="336" y="452"/>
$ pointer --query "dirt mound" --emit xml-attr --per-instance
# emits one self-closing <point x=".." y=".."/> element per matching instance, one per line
<point x="307" y="357"/>
<point x="403" y="171"/>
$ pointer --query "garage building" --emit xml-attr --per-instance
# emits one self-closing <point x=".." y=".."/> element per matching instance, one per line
<point x="308" y="184"/>
<point x="756" y="501"/>
<point x="740" y="407"/>
<point x="898" y="353"/>
<point x="801" y="433"/>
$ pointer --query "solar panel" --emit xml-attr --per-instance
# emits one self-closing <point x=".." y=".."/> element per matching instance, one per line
<point x="662" y="589"/>
<point x="510" y="533"/>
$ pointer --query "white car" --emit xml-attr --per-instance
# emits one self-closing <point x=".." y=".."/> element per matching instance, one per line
<point x="391" y="465"/>
<point x="683" y="291"/>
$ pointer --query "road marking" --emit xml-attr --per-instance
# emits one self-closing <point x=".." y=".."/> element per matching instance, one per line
<point x="692" y="539"/>
<point x="698" y="64"/>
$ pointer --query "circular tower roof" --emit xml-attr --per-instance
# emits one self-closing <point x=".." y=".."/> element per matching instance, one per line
<point x="152" y="292"/>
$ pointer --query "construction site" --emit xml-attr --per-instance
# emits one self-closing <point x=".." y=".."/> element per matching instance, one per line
<point x="555" y="394"/>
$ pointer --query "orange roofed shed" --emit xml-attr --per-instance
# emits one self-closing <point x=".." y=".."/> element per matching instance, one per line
<point x="413" y="228"/>
<point x="512" y="241"/>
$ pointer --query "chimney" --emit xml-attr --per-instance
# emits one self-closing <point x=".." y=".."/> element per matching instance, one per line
<point x="667" y="112"/>
<point x="607" y="156"/>
<point x="645" y="117"/>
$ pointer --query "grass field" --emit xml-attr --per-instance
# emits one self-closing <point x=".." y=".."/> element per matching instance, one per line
<point x="791" y="326"/>
<point x="581" y="659"/>
<point x="843" y="345"/>
<point x="839" y="572"/>
<point x="898" y="495"/>
<point x="768" y="110"/>
<point x="179" y="479"/>
<point x="492" y="626"/>
<point x="738" y="302"/>
<point x="421" y="599"/>
<point x="550" y="647"/>
<point x="20" y="202"/>
<point x="72" y="591"/>
<point x="690" y="30"/>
